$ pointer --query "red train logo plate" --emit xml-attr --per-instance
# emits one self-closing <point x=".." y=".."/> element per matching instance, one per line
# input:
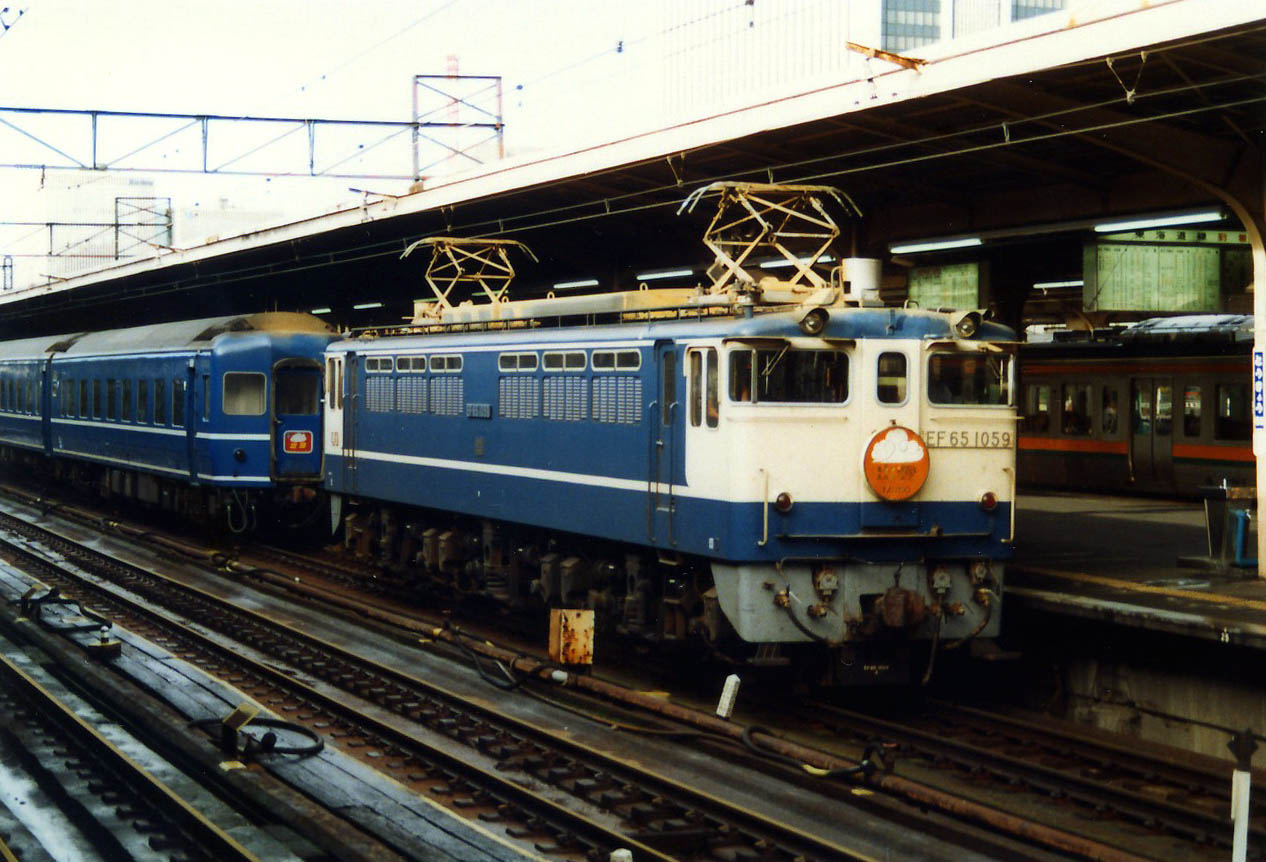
<point x="896" y="463"/>
<point x="297" y="442"/>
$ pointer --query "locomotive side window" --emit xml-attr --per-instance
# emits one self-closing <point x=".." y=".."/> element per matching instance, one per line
<point x="1076" y="412"/>
<point x="890" y="379"/>
<point x="1037" y="408"/>
<point x="1108" y="415"/>
<point x="1232" y="421"/>
<point x="244" y="393"/>
<point x="783" y="375"/>
<point x="970" y="378"/>
<point x="522" y="362"/>
<point x="1191" y="411"/>
<point x="571" y="360"/>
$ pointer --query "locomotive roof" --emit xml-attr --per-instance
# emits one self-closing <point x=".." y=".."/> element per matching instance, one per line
<point x="162" y="336"/>
<point x="845" y="323"/>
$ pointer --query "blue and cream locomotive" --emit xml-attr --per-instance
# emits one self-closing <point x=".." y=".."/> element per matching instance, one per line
<point x="217" y="417"/>
<point x="773" y="465"/>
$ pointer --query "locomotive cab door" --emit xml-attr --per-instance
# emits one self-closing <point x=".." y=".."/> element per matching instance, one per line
<point x="296" y="420"/>
<point x="1152" y="431"/>
<point x="665" y="445"/>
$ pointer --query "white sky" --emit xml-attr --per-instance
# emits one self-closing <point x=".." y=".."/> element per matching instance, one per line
<point x="563" y="80"/>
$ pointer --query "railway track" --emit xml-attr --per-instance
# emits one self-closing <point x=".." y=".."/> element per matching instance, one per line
<point x="116" y="805"/>
<point x="462" y="754"/>
<point x="1179" y="808"/>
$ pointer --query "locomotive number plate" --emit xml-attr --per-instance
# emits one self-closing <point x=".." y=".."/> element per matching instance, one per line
<point x="974" y="439"/>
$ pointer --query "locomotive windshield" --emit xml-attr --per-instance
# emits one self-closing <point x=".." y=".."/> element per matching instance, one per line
<point x="787" y="375"/>
<point x="969" y="378"/>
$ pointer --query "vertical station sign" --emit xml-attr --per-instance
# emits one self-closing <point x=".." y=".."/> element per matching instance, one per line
<point x="1259" y="388"/>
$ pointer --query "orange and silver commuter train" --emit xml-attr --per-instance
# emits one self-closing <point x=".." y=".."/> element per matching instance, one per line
<point x="1161" y="406"/>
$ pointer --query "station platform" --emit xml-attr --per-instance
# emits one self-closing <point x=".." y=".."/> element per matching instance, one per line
<point x="1132" y="561"/>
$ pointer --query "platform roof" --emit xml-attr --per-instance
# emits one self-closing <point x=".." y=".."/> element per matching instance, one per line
<point x="1100" y="110"/>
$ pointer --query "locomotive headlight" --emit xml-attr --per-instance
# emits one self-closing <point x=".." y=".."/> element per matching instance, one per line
<point x="989" y="501"/>
<point x="783" y="502"/>
<point x="966" y="324"/>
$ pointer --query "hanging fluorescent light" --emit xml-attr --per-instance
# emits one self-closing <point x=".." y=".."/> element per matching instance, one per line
<point x="1047" y="285"/>
<point x="667" y="273"/>
<point x="934" y="245"/>
<point x="320" y="311"/>
<point x="1166" y="220"/>
<point x="568" y="285"/>
<point x="783" y="262"/>
<point x="364" y="305"/>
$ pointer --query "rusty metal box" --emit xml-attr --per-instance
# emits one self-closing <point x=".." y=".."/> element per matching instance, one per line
<point x="571" y="636"/>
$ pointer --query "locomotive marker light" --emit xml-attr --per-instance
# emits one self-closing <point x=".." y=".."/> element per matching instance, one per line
<point x="896" y="463"/>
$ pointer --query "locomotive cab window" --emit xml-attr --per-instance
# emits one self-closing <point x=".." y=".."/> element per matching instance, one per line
<point x="704" y="388"/>
<point x="784" y="375"/>
<point x="890" y="378"/>
<point x="244" y="393"/>
<point x="969" y="378"/>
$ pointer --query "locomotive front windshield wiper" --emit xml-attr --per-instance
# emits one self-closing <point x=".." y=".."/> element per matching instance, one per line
<point x="773" y="363"/>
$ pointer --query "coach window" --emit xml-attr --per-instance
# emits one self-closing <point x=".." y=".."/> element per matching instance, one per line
<point x="177" y="403"/>
<point x="112" y="400"/>
<point x="1191" y="411"/>
<point x="96" y="399"/>
<point x="244" y="393"/>
<point x="298" y="391"/>
<point x="206" y="398"/>
<point x="1037" y="409"/>
<point x="84" y="411"/>
<point x="1076" y="411"/>
<point x="1232" y="421"/>
<point x="160" y="401"/>
<point x="142" y="400"/>
<point x="890" y="380"/>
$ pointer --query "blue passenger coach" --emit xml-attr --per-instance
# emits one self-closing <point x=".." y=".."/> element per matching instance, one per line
<point x="218" y="416"/>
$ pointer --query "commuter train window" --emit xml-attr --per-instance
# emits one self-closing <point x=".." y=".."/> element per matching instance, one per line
<point x="450" y="364"/>
<point x="178" y="403"/>
<point x="890" y="378"/>
<point x="969" y="378"/>
<point x="160" y="401"/>
<point x="1164" y="410"/>
<point x="96" y="399"/>
<point x="510" y="362"/>
<point x="1233" y="420"/>
<point x="1037" y="408"/>
<point x="112" y="400"/>
<point x="1191" y="411"/>
<point x="558" y="360"/>
<point x="1075" y="415"/>
<point x="244" y="393"/>
<point x="298" y="391"/>
<point x="142" y="400"/>
<point x="783" y="375"/>
<point x="1108" y="422"/>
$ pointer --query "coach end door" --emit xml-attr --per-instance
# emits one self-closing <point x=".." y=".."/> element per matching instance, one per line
<point x="1152" y="432"/>
<point x="296" y="420"/>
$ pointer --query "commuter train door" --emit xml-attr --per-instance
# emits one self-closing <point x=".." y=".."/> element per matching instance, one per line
<point x="296" y="419"/>
<point x="1152" y="431"/>
<point x="665" y="444"/>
